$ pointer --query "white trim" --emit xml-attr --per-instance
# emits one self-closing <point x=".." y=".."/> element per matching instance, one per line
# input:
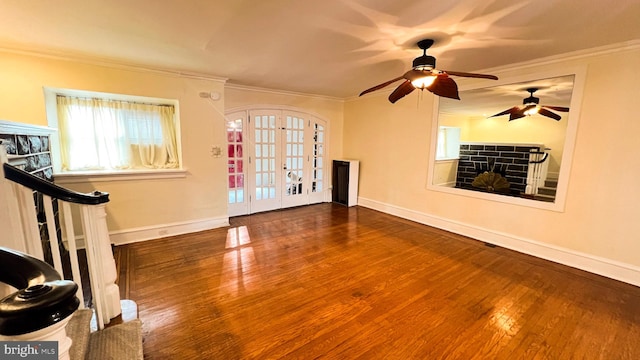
<point x="260" y="107"/>
<point x="279" y="92"/>
<point x="153" y="232"/>
<point x="570" y="56"/>
<point x="594" y="264"/>
<point x="14" y="128"/>
<point x="499" y="143"/>
<point x="107" y="176"/>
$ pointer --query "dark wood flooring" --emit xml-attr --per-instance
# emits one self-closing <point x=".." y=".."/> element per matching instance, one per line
<point x="330" y="282"/>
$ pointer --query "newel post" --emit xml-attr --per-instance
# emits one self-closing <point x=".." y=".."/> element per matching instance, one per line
<point x="42" y="305"/>
<point x="101" y="263"/>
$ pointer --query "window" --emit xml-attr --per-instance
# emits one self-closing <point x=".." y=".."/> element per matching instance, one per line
<point x="110" y="133"/>
<point x="236" y="161"/>
<point x="448" y="144"/>
<point x="318" y="156"/>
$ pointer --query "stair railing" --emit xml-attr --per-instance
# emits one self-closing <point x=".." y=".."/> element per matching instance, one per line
<point x="18" y="188"/>
<point x="537" y="170"/>
<point x="42" y="305"/>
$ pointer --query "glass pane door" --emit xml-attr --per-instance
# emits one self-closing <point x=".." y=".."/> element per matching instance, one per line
<point x="266" y="163"/>
<point x="236" y="164"/>
<point x="316" y="194"/>
<point x="295" y="190"/>
<point x="276" y="159"/>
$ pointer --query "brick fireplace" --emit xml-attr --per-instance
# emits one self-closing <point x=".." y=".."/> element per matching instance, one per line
<point x="509" y="160"/>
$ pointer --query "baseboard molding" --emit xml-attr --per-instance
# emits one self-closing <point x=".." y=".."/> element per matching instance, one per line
<point x="601" y="266"/>
<point x="128" y="236"/>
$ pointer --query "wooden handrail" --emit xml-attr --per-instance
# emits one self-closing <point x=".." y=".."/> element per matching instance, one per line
<point x="48" y="188"/>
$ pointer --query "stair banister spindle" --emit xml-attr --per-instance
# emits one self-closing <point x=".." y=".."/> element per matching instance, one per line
<point x="53" y="234"/>
<point x="29" y="217"/>
<point x="73" y="249"/>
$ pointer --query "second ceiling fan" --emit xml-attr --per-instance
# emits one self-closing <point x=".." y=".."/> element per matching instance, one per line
<point x="531" y="106"/>
<point x="424" y="75"/>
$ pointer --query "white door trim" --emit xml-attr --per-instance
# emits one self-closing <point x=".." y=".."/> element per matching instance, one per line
<point x="250" y="205"/>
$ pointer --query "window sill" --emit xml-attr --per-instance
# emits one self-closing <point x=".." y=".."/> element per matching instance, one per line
<point x="105" y="176"/>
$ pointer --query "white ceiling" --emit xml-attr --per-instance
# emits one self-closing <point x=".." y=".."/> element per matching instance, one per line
<point x="326" y="47"/>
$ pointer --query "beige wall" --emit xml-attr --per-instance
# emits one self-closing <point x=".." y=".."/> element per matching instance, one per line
<point x="201" y="195"/>
<point x="600" y="217"/>
<point x="391" y="142"/>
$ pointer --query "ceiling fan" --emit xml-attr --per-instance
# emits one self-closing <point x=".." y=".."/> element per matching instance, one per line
<point x="530" y="106"/>
<point x="424" y="75"/>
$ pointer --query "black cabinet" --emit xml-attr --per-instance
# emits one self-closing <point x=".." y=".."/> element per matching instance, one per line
<point x="345" y="182"/>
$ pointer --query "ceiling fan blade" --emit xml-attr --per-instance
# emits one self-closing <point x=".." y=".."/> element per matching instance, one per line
<point x="471" y="75"/>
<point x="550" y="114"/>
<point x="444" y="86"/>
<point x="516" y="115"/>
<point x="508" y="111"/>
<point x="401" y="91"/>
<point x="384" y="84"/>
<point x="556" y="108"/>
<point x="519" y="112"/>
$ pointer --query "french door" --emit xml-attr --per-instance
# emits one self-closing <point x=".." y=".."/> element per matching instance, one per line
<point x="280" y="162"/>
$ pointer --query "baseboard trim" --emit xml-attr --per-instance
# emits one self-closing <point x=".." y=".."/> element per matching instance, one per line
<point x="601" y="266"/>
<point x="133" y="235"/>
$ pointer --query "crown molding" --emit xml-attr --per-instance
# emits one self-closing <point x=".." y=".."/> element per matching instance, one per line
<point x="570" y="56"/>
<point x="280" y="92"/>
<point x="110" y="63"/>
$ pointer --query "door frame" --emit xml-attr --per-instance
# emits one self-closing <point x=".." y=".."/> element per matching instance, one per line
<point x="248" y="207"/>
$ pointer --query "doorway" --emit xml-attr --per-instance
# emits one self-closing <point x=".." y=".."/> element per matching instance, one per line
<point x="276" y="159"/>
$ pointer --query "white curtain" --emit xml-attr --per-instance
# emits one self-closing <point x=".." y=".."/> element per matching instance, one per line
<point x="101" y="134"/>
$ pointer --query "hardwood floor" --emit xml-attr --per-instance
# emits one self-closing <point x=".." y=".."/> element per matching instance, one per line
<point x="326" y="281"/>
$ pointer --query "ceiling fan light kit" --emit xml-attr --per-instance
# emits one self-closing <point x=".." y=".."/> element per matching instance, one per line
<point x="424" y="75"/>
<point x="423" y="82"/>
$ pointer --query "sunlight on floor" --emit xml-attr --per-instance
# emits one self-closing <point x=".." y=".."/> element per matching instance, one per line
<point x="503" y="318"/>
<point x="237" y="236"/>
<point x="238" y="262"/>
